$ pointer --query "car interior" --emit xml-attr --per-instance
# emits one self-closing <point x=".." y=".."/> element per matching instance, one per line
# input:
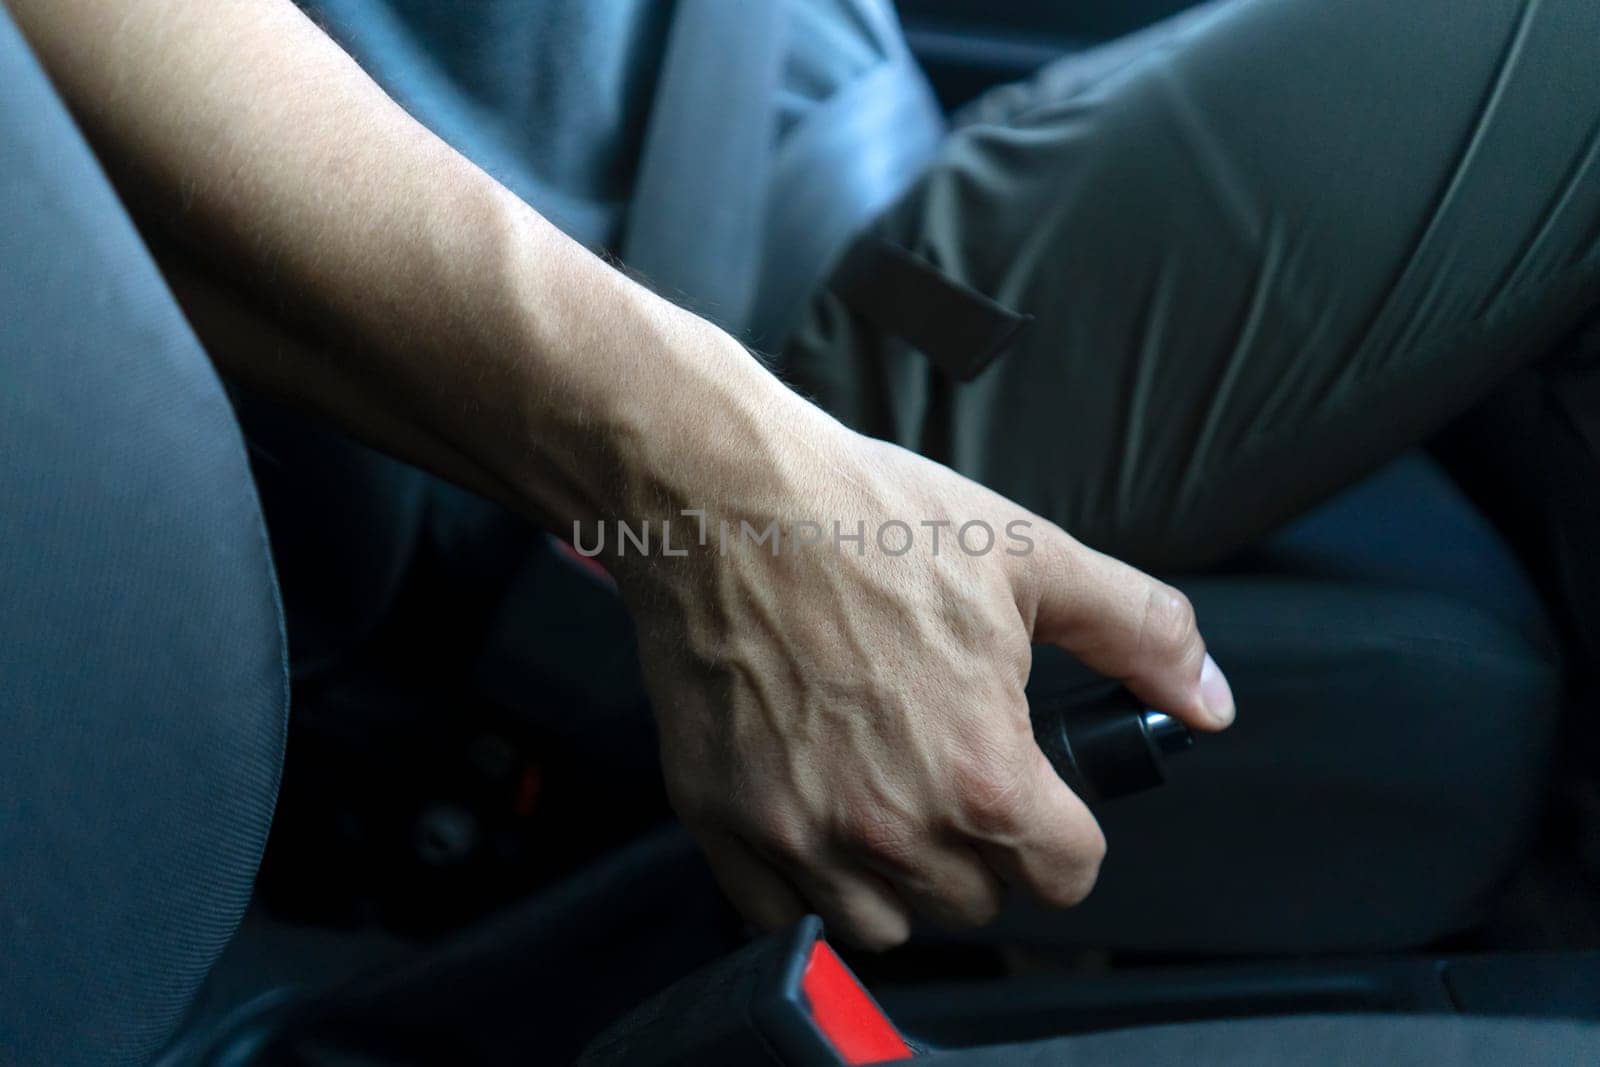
<point x="471" y="858"/>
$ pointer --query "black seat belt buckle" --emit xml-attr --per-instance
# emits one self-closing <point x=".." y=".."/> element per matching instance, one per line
<point x="786" y="1000"/>
<point x="818" y="1013"/>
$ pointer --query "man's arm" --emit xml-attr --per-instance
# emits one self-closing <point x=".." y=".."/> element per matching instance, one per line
<point x="462" y="321"/>
<point x="842" y="732"/>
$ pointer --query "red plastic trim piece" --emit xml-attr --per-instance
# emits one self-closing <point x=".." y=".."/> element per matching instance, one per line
<point x="847" y="1017"/>
<point x="588" y="564"/>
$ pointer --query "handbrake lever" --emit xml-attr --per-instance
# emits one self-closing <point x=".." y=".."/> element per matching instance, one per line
<point x="1107" y="748"/>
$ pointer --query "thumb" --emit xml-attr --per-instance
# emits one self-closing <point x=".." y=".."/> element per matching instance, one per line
<point x="1127" y="625"/>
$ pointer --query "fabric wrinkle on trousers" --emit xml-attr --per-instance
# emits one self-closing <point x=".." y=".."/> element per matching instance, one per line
<point x="1267" y="245"/>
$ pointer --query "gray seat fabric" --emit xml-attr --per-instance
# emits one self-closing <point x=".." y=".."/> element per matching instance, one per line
<point x="143" y="688"/>
<point x="1312" y="1041"/>
<point x="1408" y="527"/>
<point x="1398" y="691"/>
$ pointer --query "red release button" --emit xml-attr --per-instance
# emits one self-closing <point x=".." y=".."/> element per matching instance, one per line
<point x="847" y="1017"/>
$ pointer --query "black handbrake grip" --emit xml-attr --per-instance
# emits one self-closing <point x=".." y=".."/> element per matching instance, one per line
<point x="1108" y="748"/>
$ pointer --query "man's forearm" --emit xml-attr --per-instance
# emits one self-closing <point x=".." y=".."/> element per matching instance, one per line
<point x="457" y="327"/>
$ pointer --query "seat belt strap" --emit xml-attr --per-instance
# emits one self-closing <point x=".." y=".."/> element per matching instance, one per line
<point x="843" y="165"/>
<point x="695" y="225"/>
<point x="739" y="227"/>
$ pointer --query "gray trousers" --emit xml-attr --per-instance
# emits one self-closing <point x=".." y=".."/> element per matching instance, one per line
<point x="1265" y="244"/>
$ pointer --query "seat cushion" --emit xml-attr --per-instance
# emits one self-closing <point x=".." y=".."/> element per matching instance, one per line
<point x="142" y="680"/>
<point x="1407" y="527"/>
<point x="1398" y="694"/>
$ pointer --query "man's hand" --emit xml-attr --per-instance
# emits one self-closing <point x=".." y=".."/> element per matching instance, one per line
<point x="844" y="729"/>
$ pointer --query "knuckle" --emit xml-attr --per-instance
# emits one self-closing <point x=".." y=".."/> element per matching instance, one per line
<point x="878" y="936"/>
<point x="1073" y="888"/>
<point x="692" y="804"/>
<point x="1071" y="892"/>
<point x="781" y="834"/>
<point x="986" y="911"/>
<point x="1168" y="628"/>
<point x="978" y="911"/>
<point x="884" y="834"/>
<point x="1094" y="851"/>
<point x="991" y="796"/>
